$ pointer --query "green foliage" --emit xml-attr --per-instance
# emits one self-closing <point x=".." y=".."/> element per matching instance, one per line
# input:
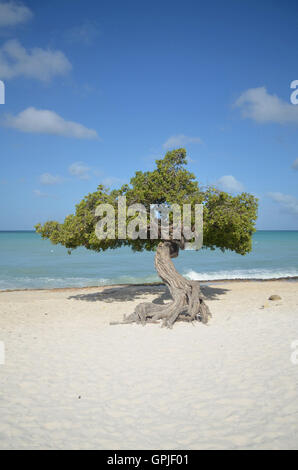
<point x="229" y="221"/>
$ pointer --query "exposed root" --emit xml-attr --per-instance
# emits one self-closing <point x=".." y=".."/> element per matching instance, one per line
<point x="188" y="303"/>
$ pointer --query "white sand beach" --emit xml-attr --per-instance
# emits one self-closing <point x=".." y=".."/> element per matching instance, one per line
<point x="72" y="381"/>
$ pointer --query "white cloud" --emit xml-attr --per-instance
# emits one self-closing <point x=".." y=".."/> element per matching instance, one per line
<point x="13" y="13"/>
<point x="287" y="202"/>
<point x="40" y="194"/>
<point x="39" y="121"/>
<point x="295" y="164"/>
<point x="80" y="170"/>
<point x="85" y="33"/>
<point x="50" y="180"/>
<point x="180" y="140"/>
<point x="41" y="64"/>
<point x="230" y="184"/>
<point x="259" y="105"/>
<point x="113" y="181"/>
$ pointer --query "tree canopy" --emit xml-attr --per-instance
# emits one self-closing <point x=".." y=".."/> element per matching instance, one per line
<point x="229" y="220"/>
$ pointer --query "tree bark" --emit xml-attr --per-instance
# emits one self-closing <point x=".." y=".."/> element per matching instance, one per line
<point x="187" y="305"/>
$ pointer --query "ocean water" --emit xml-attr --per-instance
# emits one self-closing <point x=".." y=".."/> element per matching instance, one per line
<point x="27" y="261"/>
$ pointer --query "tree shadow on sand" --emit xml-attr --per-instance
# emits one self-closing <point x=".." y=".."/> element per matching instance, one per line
<point x="133" y="292"/>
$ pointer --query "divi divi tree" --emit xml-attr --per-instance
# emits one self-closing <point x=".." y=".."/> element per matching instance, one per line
<point x="228" y="224"/>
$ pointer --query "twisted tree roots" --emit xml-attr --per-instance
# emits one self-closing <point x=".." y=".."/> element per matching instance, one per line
<point x="187" y="305"/>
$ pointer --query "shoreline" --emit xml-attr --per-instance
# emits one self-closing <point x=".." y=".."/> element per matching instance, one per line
<point x="150" y="284"/>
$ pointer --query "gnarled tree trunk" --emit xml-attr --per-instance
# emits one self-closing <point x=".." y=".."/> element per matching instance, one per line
<point x="187" y="304"/>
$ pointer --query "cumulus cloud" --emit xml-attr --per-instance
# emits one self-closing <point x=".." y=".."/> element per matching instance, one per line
<point x="295" y="164"/>
<point x="230" y="184"/>
<point x="259" y="105"/>
<point x="180" y="140"/>
<point x="13" y="13"/>
<point x="287" y="202"/>
<point x="39" y="121"/>
<point x="80" y="170"/>
<point x="50" y="180"/>
<point x="37" y="63"/>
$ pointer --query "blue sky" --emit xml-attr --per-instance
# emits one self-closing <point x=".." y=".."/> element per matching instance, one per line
<point x="96" y="90"/>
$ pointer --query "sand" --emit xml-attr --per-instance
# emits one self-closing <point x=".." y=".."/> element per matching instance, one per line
<point x="71" y="381"/>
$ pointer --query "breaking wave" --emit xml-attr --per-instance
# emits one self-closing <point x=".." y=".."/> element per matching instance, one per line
<point x="260" y="274"/>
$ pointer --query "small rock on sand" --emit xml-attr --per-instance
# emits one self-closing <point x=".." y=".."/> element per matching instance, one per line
<point x="266" y="305"/>
<point x="274" y="297"/>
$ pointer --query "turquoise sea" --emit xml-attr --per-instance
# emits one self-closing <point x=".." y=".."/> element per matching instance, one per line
<point x="27" y="261"/>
